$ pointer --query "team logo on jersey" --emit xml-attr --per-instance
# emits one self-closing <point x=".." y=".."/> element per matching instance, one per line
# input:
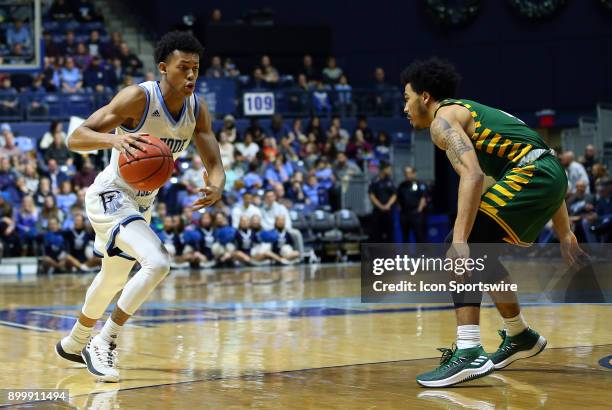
<point x="175" y="145"/>
<point x="111" y="201"/>
<point x="156" y="114"/>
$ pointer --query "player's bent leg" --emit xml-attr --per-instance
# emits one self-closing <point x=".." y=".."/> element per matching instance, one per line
<point x="139" y="241"/>
<point x="102" y="290"/>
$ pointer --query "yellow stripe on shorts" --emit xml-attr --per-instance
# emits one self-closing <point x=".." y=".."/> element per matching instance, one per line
<point x="495" y="199"/>
<point x="503" y="191"/>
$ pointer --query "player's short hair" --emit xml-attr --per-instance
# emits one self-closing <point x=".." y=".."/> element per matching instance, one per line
<point x="177" y="40"/>
<point x="438" y="77"/>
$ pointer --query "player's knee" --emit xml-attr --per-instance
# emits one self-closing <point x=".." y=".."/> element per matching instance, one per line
<point x="158" y="263"/>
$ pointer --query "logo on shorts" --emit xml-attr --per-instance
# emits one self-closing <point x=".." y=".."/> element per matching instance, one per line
<point x="156" y="114"/>
<point x="111" y="201"/>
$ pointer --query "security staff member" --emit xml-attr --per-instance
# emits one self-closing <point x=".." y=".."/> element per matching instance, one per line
<point x="412" y="201"/>
<point x="382" y="195"/>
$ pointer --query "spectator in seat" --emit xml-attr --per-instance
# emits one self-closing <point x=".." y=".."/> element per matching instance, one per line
<point x="47" y="139"/>
<point x="26" y="221"/>
<point x="364" y="128"/>
<point x="31" y="177"/>
<point x="344" y="97"/>
<point x="598" y="225"/>
<point x="71" y="77"/>
<point x="579" y="205"/>
<point x="55" y="175"/>
<point x="44" y="189"/>
<point x="9" y="99"/>
<point x="575" y="171"/>
<point x="308" y="70"/>
<point x="61" y="10"/>
<point x="49" y="210"/>
<point x="262" y="248"/>
<point x="55" y="248"/>
<point x="278" y="128"/>
<point x="38" y="106"/>
<point x="130" y="63"/>
<point x="311" y="192"/>
<point x="69" y="46"/>
<point x="94" y="44"/>
<point x="85" y="177"/>
<point x="248" y="149"/>
<point x="257" y="132"/>
<point x="82" y="58"/>
<point x="51" y="48"/>
<point x="199" y="242"/>
<point x="382" y="147"/>
<point x="383" y="93"/>
<point x="10" y="149"/>
<point x="19" y="34"/>
<point x="216" y="68"/>
<point x="229" y="128"/>
<point x="272" y="209"/>
<point x="7" y="175"/>
<point x="10" y="240"/>
<point x="344" y="169"/>
<point x="98" y="77"/>
<point x="230" y="68"/>
<point x="172" y="240"/>
<point x="58" y="151"/>
<point x="270" y="74"/>
<point x="277" y="173"/>
<point x="589" y="159"/>
<point x="225" y="235"/>
<point x="297" y="134"/>
<point x="78" y="239"/>
<point x="259" y="79"/>
<point x="227" y="151"/>
<point x="86" y="12"/>
<point x="331" y="72"/>
<point x="358" y="149"/>
<point x="244" y="209"/>
<point x="245" y="240"/>
<point x="284" y="245"/>
<point x="321" y="103"/>
<point x="383" y="195"/>
<point x="314" y="127"/>
<point x="66" y="197"/>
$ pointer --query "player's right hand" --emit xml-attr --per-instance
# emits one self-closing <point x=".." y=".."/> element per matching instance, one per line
<point x="571" y="251"/>
<point x="128" y="144"/>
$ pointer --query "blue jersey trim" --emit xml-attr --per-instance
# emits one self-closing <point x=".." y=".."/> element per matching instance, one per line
<point x="196" y="109"/>
<point x="144" y="114"/>
<point x="160" y="97"/>
<point x="111" y="249"/>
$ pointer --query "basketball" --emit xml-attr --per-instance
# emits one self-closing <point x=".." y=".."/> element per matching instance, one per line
<point x="149" y="169"/>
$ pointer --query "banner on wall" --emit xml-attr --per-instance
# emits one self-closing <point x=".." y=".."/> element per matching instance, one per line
<point x="219" y="94"/>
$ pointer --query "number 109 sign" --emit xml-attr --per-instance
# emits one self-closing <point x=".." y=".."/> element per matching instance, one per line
<point x="258" y="103"/>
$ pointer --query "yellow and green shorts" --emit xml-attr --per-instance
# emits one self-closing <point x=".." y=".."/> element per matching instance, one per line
<point x="526" y="198"/>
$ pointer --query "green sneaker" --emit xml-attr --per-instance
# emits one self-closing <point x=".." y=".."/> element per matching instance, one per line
<point x="512" y="348"/>
<point x="457" y="366"/>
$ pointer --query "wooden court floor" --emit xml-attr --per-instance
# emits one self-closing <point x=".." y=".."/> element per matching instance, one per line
<point x="292" y="338"/>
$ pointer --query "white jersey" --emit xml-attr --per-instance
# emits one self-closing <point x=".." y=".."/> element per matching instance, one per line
<point x="157" y="121"/>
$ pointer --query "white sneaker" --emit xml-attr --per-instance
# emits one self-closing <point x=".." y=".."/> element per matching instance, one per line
<point x="70" y="350"/>
<point x="101" y="359"/>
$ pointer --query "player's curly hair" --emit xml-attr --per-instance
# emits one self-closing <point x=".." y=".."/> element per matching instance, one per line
<point x="177" y="40"/>
<point x="438" y="77"/>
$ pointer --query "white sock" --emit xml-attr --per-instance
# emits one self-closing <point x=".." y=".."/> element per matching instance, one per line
<point x="77" y="339"/>
<point x="110" y="331"/>
<point x="515" y="325"/>
<point x="468" y="336"/>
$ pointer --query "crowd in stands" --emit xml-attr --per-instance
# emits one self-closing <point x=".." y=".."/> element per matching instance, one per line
<point x="81" y="58"/>
<point x="589" y="196"/>
<point x="271" y="173"/>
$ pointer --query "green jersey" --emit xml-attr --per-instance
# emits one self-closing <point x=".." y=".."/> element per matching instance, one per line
<point x="500" y="139"/>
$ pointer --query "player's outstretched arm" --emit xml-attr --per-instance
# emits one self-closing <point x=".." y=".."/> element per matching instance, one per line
<point x="447" y="132"/>
<point x="128" y="104"/>
<point x="208" y="148"/>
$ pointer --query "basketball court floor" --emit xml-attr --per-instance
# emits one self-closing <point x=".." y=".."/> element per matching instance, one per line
<point x="292" y="337"/>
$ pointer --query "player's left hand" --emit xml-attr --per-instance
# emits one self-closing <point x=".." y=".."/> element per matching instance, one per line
<point x="210" y="195"/>
<point x="571" y="251"/>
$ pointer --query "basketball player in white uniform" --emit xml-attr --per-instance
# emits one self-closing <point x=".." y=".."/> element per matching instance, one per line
<point x="119" y="214"/>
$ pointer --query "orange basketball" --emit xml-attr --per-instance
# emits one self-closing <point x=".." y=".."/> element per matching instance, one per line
<point x="149" y="169"/>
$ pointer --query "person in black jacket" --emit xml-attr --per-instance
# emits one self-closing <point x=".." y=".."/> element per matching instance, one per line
<point x="78" y="239"/>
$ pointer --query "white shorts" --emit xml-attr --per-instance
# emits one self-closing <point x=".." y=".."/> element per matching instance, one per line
<point x="107" y="210"/>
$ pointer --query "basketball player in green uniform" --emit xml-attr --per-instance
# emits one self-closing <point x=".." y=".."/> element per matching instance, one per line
<point x="529" y="191"/>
